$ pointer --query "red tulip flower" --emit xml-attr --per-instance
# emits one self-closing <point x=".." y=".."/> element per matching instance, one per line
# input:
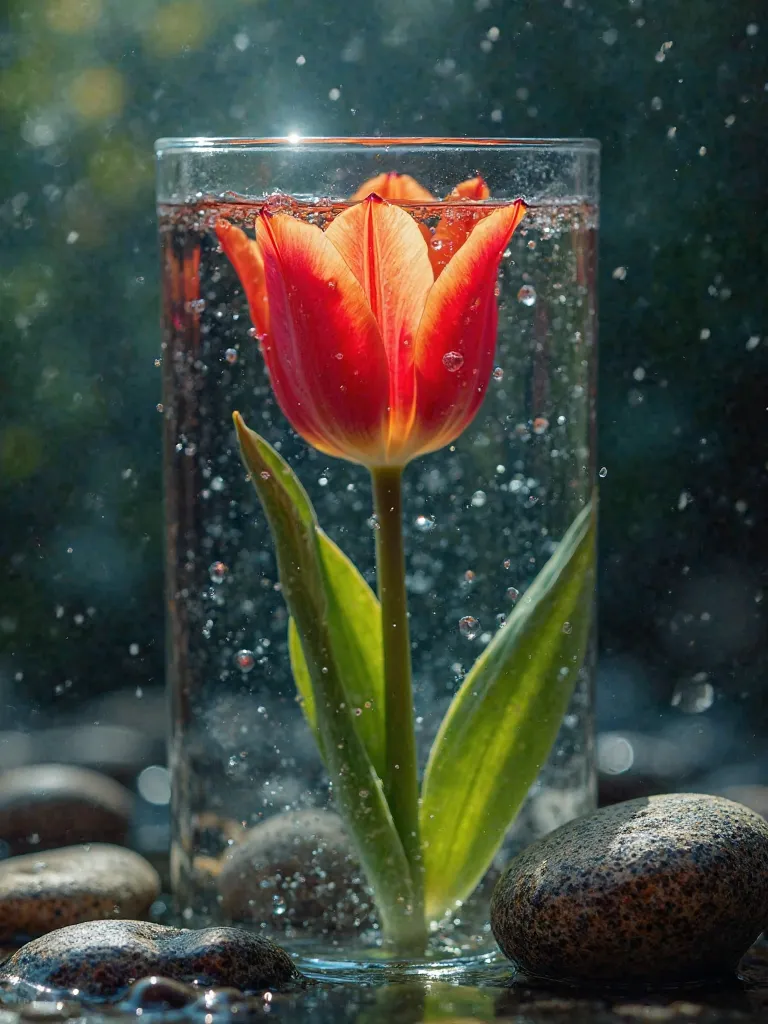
<point x="379" y="345"/>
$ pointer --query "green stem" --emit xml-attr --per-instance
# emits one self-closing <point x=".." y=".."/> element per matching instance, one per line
<point x="401" y="781"/>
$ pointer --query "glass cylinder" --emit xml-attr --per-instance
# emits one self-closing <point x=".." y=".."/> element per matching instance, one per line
<point x="495" y="517"/>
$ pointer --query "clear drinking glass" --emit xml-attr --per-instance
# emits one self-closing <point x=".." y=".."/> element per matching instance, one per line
<point x="255" y="836"/>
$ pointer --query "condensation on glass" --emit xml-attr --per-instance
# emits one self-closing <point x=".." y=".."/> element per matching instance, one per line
<point x="482" y="516"/>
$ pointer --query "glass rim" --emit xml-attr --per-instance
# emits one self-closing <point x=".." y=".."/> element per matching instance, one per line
<point x="187" y="144"/>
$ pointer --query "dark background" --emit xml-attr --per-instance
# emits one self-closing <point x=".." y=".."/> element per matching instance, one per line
<point x="676" y="92"/>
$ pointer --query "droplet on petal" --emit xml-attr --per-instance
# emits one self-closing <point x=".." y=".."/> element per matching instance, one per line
<point x="453" y="361"/>
<point x="264" y="474"/>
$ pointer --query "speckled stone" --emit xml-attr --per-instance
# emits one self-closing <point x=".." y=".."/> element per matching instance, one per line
<point x="43" y="806"/>
<point x="296" y="870"/>
<point x="661" y="888"/>
<point x="103" y="958"/>
<point x="40" y="892"/>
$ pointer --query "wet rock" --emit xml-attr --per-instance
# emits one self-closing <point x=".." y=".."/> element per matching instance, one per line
<point x="103" y="958"/>
<point x="40" y="892"/>
<point x="47" y="805"/>
<point x="296" y="870"/>
<point x="668" y="888"/>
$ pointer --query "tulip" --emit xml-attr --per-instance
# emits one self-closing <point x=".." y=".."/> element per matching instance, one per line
<point x="379" y="341"/>
<point x="377" y="351"/>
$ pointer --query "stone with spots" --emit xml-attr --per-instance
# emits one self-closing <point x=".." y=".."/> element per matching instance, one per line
<point x="296" y="870"/>
<point x="102" y="959"/>
<point x="40" y="892"/>
<point x="665" y="888"/>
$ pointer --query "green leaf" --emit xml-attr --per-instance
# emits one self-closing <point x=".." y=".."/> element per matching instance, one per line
<point x="504" y="720"/>
<point x="357" y="789"/>
<point x="354" y="625"/>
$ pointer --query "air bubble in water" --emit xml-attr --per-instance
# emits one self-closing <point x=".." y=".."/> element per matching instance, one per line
<point x="498" y="373"/>
<point x="507" y="563"/>
<point x="694" y="696"/>
<point x="424" y="524"/>
<point x="217" y="571"/>
<point x="478" y="499"/>
<point x="603" y="472"/>
<point x="512" y="593"/>
<point x="469" y="627"/>
<point x="195" y="305"/>
<point x="245" y="660"/>
<point x="453" y="361"/>
<point x="501" y="620"/>
<point x="540" y="425"/>
<point x="231" y="355"/>
<point x="217" y="484"/>
<point x="373" y="522"/>
<point x="527" y="295"/>
<point x="567" y="627"/>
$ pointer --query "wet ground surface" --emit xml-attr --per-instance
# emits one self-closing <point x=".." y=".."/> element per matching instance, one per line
<point x="487" y="993"/>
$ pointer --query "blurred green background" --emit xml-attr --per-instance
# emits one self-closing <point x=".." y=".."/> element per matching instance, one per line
<point x="676" y="92"/>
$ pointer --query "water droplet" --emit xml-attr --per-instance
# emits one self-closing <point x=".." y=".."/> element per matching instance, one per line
<point x="339" y="356"/>
<point x="453" y="361"/>
<point x="195" y="306"/>
<point x="231" y="355"/>
<point x="694" y="696"/>
<point x="436" y="243"/>
<point x="332" y="284"/>
<point x="561" y="421"/>
<point x="469" y="627"/>
<point x="264" y="474"/>
<point x="424" y="523"/>
<point x="478" y="499"/>
<point x="531" y="244"/>
<point x="373" y="522"/>
<point x="245" y="660"/>
<point x="217" y="484"/>
<point x="540" y="425"/>
<point x="498" y="373"/>
<point x="603" y="472"/>
<point x="469" y="576"/>
<point x="507" y="563"/>
<point x="278" y="905"/>
<point x="512" y="593"/>
<point x="567" y="627"/>
<point x="217" y="571"/>
<point x="501" y="620"/>
<point x="527" y="295"/>
<point x="358" y="712"/>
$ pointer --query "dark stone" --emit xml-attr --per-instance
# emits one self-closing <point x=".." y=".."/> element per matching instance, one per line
<point x="48" y="805"/>
<point x="669" y="888"/>
<point x="101" y="959"/>
<point x="296" y="870"/>
<point x="40" y="892"/>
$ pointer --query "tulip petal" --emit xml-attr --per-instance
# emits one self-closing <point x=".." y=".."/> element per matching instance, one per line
<point x="385" y="250"/>
<point x="472" y="188"/>
<point x="333" y="380"/>
<point x="394" y="186"/>
<point x="456" y="340"/>
<point x="245" y="256"/>
<point x="456" y="222"/>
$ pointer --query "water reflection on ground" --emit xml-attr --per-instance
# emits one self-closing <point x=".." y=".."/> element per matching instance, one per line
<point x="493" y="994"/>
